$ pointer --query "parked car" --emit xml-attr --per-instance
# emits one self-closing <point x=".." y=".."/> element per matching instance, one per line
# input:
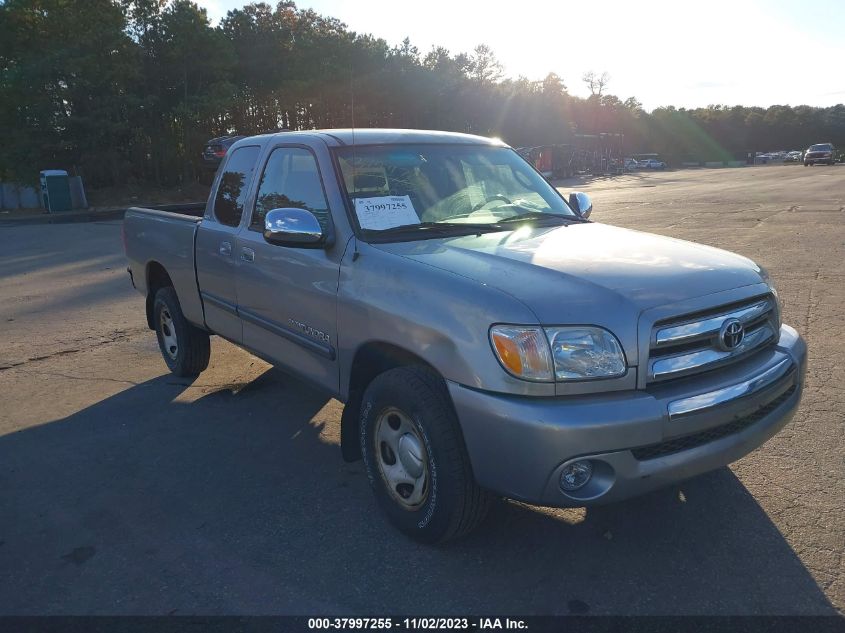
<point x="819" y="153"/>
<point x="216" y="148"/>
<point x="631" y="164"/>
<point x="652" y="163"/>
<point x="487" y="338"/>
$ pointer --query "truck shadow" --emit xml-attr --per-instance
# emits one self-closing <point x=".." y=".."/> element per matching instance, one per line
<point x="172" y="497"/>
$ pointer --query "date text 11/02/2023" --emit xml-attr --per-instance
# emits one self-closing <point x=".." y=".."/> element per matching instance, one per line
<point x="421" y="623"/>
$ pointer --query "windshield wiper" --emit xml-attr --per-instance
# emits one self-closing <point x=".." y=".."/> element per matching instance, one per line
<point x="434" y="228"/>
<point x="540" y="215"/>
<point x="425" y="230"/>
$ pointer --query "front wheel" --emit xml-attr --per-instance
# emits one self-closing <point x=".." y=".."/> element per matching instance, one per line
<point x="415" y="457"/>
<point x="185" y="348"/>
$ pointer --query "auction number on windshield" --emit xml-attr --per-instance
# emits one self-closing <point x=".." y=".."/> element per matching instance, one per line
<point x="386" y="206"/>
<point x="385" y="212"/>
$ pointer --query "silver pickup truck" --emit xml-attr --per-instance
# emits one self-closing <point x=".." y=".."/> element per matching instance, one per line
<point x="486" y="337"/>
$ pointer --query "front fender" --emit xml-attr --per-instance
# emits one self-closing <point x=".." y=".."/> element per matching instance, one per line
<point x="436" y="315"/>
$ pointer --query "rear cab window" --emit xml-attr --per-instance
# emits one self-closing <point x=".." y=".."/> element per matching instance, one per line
<point x="233" y="185"/>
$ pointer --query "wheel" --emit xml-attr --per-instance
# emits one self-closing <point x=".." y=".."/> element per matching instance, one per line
<point x="415" y="457"/>
<point x="806" y="164"/>
<point x="185" y="348"/>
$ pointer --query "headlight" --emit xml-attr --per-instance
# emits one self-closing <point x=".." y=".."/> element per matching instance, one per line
<point x="585" y="352"/>
<point x="557" y="353"/>
<point x="778" y="308"/>
<point x="523" y="351"/>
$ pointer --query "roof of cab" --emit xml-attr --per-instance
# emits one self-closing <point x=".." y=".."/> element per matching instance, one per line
<point x="374" y="136"/>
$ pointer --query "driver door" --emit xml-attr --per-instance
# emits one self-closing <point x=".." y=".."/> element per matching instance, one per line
<point x="286" y="295"/>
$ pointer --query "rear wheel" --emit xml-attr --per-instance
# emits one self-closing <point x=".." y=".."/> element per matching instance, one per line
<point x="185" y="348"/>
<point x="415" y="457"/>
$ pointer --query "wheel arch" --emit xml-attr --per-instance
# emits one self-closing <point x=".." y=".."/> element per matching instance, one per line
<point x="371" y="359"/>
<point x="156" y="277"/>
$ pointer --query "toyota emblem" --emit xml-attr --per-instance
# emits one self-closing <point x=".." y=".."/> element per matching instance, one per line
<point x="731" y="334"/>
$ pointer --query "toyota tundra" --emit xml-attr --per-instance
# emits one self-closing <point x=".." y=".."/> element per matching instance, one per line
<point x="487" y="338"/>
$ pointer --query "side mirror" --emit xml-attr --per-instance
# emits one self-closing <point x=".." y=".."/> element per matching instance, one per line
<point x="293" y="227"/>
<point x="581" y="203"/>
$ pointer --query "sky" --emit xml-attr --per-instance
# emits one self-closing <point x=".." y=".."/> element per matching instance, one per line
<point x="683" y="53"/>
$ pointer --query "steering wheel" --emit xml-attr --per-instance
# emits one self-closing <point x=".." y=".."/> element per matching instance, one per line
<point x="498" y="196"/>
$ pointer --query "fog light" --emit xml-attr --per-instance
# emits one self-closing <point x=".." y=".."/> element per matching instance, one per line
<point x="576" y="475"/>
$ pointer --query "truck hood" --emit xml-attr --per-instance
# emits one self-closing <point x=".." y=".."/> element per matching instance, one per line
<point x="586" y="273"/>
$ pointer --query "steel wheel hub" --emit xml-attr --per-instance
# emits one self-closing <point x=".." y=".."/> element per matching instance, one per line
<point x="402" y="459"/>
<point x="168" y="334"/>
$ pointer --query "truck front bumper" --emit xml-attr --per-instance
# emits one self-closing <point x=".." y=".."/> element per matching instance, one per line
<point x="635" y="441"/>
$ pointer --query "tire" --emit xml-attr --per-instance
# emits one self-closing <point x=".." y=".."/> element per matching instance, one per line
<point x="411" y="405"/>
<point x="184" y="347"/>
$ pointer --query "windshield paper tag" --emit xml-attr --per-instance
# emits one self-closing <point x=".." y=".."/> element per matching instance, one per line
<point x="385" y="212"/>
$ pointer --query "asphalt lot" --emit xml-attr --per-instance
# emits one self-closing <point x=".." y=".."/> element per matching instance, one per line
<point x="124" y="490"/>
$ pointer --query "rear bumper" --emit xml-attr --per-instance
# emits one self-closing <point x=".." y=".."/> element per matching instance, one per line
<point x="519" y="446"/>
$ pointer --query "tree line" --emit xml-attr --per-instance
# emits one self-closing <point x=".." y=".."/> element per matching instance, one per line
<point x="127" y="91"/>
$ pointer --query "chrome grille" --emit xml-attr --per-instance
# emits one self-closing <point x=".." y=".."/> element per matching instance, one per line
<point x="689" y="344"/>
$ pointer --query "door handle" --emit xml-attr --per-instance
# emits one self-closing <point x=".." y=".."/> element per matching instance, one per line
<point x="225" y="249"/>
<point x="247" y="254"/>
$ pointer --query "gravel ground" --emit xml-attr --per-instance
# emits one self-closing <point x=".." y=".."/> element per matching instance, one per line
<point x="124" y="490"/>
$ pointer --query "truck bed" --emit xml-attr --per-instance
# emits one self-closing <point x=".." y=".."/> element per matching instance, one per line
<point x="160" y="240"/>
<point x="195" y="209"/>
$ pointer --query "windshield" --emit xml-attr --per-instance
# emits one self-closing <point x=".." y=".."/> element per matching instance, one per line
<point x="418" y="186"/>
<point x="824" y="147"/>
